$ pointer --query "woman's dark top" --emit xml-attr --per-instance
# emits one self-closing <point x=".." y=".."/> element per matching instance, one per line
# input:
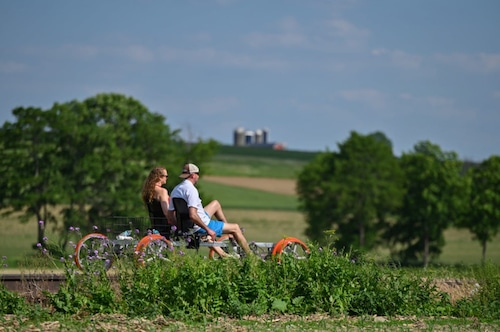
<point x="157" y="218"/>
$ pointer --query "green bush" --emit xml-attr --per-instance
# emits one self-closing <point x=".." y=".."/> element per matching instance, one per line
<point x="195" y="287"/>
<point x="190" y="286"/>
<point x="485" y="299"/>
<point x="11" y="303"/>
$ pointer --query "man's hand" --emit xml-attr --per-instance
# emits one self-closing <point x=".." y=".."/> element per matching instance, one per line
<point x="211" y="233"/>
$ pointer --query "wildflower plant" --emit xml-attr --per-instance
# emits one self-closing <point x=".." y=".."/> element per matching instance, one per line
<point x="185" y="286"/>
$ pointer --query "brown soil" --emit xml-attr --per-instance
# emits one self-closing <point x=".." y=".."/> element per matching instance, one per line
<point x="278" y="186"/>
<point x="457" y="288"/>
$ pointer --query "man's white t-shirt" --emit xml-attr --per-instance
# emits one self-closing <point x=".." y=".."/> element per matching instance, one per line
<point x="187" y="191"/>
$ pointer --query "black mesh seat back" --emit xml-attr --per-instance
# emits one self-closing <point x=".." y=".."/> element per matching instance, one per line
<point x="161" y="225"/>
<point x="182" y="214"/>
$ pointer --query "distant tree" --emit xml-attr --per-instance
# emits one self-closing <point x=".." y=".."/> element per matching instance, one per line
<point x="483" y="217"/>
<point x="354" y="190"/>
<point x="27" y="185"/>
<point x="432" y="202"/>
<point x="318" y="194"/>
<point x="97" y="155"/>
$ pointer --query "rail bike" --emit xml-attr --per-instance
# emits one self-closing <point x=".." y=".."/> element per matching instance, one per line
<point x="133" y="237"/>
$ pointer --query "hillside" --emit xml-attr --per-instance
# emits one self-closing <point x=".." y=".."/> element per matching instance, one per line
<point x="258" y="162"/>
<point x="277" y="186"/>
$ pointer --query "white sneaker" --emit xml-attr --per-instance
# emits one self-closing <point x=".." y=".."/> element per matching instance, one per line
<point x="233" y="255"/>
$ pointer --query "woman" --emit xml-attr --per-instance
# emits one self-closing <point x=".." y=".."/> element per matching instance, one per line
<point x="157" y="200"/>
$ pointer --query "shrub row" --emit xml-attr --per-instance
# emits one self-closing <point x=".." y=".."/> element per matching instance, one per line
<point x="191" y="286"/>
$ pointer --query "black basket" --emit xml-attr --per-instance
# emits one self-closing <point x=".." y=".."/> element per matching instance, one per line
<point x="113" y="226"/>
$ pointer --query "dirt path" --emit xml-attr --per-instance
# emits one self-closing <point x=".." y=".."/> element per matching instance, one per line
<point x="278" y="186"/>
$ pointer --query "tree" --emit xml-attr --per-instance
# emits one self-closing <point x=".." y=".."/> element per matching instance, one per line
<point x="27" y="184"/>
<point x="317" y="194"/>
<point x="483" y="217"/>
<point x="355" y="190"/>
<point x="94" y="157"/>
<point x="434" y="191"/>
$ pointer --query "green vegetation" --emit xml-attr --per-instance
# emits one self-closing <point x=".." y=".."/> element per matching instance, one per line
<point x="370" y="197"/>
<point x="87" y="145"/>
<point x="257" y="162"/>
<point x="303" y="156"/>
<point x="88" y="158"/>
<point x="196" y="291"/>
<point x="250" y="199"/>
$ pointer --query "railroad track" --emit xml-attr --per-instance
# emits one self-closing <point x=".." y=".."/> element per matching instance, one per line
<point x="32" y="283"/>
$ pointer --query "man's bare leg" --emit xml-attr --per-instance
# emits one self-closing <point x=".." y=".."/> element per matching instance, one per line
<point x="219" y="251"/>
<point x="215" y="209"/>
<point x="235" y="231"/>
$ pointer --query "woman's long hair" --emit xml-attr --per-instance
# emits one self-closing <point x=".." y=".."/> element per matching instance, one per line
<point x="148" y="189"/>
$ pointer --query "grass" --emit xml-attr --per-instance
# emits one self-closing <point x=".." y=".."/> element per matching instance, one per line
<point x="267" y="226"/>
<point x="460" y="248"/>
<point x="328" y="291"/>
<point x="255" y="163"/>
<point x="17" y="240"/>
<point x="250" y="199"/>
<point x="265" y="216"/>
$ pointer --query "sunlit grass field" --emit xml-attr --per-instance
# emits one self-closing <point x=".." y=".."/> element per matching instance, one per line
<point x="266" y="217"/>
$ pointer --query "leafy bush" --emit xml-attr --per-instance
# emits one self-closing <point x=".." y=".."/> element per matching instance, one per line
<point x="190" y="286"/>
<point x="193" y="286"/>
<point x="485" y="300"/>
<point x="11" y="303"/>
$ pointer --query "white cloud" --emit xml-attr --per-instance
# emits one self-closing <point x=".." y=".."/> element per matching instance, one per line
<point x="79" y="51"/>
<point x="480" y="63"/>
<point x="204" y="107"/>
<point x="344" y="29"/>
<point x="370" y="97"/>
<point x="136" y="52"/>
<point x="289" y="36"/>
<point x="399" y="58"/>
<point x="220" y="58"/>
<point x="225" y="2"/>
<point x="436" y="106"/>
<point x="440" y="102"/>
<point x="341" y="35"/>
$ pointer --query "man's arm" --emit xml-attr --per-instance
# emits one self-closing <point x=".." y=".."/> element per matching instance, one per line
<point x="193" y="215"/>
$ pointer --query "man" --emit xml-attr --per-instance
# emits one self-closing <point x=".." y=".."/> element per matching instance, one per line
<point x="200" y="215"/>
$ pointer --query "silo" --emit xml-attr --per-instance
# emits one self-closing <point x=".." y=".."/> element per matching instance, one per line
<point x="249" y="137"/>
<point x="239" y="137"/>
<point x="264" y="136"/>
<point x="259" y="136"/>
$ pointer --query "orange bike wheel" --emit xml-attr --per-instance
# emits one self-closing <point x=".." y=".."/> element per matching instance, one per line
<point x="291" y="246"/>
<point x="153" y="247"/>
<point x="94" y="252"/>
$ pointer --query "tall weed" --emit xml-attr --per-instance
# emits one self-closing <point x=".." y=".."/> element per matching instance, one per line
<point x="485" y="298"/>
<point x="184" y="286"/>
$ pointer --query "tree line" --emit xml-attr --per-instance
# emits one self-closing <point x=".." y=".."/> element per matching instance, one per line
<point x="370" y="197"/>
<point x="83" y="161"/>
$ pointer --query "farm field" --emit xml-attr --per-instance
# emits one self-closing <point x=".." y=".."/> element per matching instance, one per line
<point x="257" y="190"/>
<point x="266" y="215"/>
<point x="265" y="205"/>
<point x="460" y="248"/>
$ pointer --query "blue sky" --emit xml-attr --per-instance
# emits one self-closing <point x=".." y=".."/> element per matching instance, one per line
<point x="309" y="72"/>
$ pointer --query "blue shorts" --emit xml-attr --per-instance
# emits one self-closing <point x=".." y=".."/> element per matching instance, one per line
<point x="214" y="225"/>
